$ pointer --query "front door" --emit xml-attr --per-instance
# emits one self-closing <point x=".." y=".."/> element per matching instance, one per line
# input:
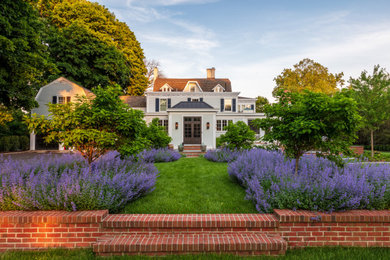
<point x="192" y="130"/>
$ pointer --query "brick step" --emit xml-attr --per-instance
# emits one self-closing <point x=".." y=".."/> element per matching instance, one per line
<point x="191" y="222"/>
<point x="162" y="244"/>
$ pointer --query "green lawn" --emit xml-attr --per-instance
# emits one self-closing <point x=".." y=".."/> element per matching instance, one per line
<point x="306" y="254"/>
<point x="193" y="185"/>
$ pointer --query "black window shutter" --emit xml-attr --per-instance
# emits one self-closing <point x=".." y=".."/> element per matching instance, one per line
<point x="189" y="99"/>
<point x="234" y="105"/>
<point x="54" y="101"/>
<point x="222" y="104"/>
<point x="252" y="107"/>
<point x="201" y="99"/>
<point x="169" y="103"/>
<point x="157" y="104"/>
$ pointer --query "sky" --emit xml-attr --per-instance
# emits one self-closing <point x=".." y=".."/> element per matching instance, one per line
<point x="252" y="41"/>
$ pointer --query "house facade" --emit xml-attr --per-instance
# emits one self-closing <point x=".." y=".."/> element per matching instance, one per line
<point x="192" y="110"/>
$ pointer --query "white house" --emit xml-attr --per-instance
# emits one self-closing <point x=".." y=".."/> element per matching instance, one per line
<point x="193" y="110"/>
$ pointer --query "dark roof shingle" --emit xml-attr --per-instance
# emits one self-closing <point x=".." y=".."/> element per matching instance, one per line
<point x="205" y="84"/>
<point x="192" y="105"/>
<point x="134" y="101"/>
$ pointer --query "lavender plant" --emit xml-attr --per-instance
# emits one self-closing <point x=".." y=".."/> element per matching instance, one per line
<point x="222" y="155"/>
<point x="320" y="185"/>
<point x="69" y="183"/>
<point x="159" y="155"/>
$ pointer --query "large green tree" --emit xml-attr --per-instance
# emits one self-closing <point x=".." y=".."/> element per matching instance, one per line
<point x="23" y="56"/>
<point x="102" y="24"/>
<point x="372" y="93"/>
<point x="308" y="75"/>
<point x="94" y="126"/>
<point x="260" y="103"/>
<point x="307" y="121"/>
<point x="83" y="58"/>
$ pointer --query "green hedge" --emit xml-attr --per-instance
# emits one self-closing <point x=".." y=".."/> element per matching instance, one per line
<point x="14" y="143"/>
<point x="379" y="147"/>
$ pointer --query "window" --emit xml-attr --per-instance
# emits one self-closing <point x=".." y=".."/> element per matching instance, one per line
<point x="253" y="128"/>
<point x="228" y="105"/>
<point x="242" y="108"/>
<point x="163" y="104"/>
<point x="192" y="89"/>
<point x="222" y="123"/>
<point x="164" y="123"/>
<point x="195" y="100"/>
<point x="218" y="89"/>
<point x="63" y="100"/>
<point x="166" y="88"/>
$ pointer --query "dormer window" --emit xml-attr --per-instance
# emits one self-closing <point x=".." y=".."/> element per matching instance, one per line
<point x="192" y="86"/>
<point x="166" y="88"/>
<point x="218" y="88"/>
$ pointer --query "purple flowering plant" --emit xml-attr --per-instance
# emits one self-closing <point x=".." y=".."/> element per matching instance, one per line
<point x="159" y="155"/>
<point x="222" y="155"/>
<point x="320" y="185"/>
<point x="70" y="183"/>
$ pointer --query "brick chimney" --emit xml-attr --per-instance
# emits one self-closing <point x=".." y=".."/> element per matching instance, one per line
<point x="211" y="73"/>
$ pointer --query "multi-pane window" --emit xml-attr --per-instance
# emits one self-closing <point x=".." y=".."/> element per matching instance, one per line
<point x="242" y="108"/>
<point x="163" y="104"/>
<point x="222" y="123"/>
<point x="61" y="100"/>
<point x="228" y="105"/>
<point x="164" y="123"/>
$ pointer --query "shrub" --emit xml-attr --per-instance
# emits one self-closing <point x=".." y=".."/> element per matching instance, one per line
<point x="237" y="136"/>
<point x="69" y="183"/>
<point x="24" y="142"/>
<point x="157" y="135"/>
<point x="320" y="185"/>
<point x="15" y="144"/>
<point x="222" y="155"/>
<point x="159" y="155"/>
<point x="5" y="144"/>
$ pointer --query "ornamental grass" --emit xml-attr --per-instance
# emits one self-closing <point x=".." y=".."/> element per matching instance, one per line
<point x="320" y="185"/>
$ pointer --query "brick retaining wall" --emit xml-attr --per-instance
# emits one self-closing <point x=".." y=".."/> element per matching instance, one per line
<point x="21" y="230"/>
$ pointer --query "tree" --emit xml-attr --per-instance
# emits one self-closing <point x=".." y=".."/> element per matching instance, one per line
<point x="372" y="93"/>
<point x="94" y="126"/>
<point x="102" y="24"/>
<point x="237" y="136"/>
<point x="83" y="58"/>
<point x="5" y="115"/>
<point x="260" y="103"/>
<point x="150" y="66"/>
<point x="308" y="75"/>
<point x="23" y="56"/>
<point x="307" y="121"/>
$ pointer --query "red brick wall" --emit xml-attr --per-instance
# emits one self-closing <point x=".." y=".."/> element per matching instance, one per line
<point x="359" y="150"/>
<point x="23" y="230"/>
<point x="351" y="228"/>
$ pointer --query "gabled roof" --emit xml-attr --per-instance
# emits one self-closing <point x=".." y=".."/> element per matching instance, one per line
<point x="192" y="105"/>
<point x="205" y="84"/>
<point x="134" y="101"/>
<point x="65" y="81"/>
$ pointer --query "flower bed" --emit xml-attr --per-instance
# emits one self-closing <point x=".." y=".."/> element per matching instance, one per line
<point x="222" y="155"/>
<point x="159" y="155"/>
<point x="320" y="185"/>
<point x="69" y="183"/>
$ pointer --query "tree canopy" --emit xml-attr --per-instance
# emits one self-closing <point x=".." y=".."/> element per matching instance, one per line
<point x="102" y="24"/>
<point x="260" y="103"/>
<point x="372" y="93"/>
<point x="23" y="58"/>
<point x="308" y="75"/>
<point x="307" y="121"/>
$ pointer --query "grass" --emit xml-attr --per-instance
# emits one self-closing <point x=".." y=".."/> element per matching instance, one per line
<point x="193" y="185"/>
<point x="345" y="253"/>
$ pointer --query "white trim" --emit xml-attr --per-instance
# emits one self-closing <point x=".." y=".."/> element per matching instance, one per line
<point x="164" y="86"/>
<point x="196" y="83"/>
<point x="218" y="86"/>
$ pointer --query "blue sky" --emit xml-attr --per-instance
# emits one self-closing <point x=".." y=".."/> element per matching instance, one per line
<point x="251" y="41"/>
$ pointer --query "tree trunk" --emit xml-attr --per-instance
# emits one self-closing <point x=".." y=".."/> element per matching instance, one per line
<point x="296" y="164"/>
<point x="372" y="143"/>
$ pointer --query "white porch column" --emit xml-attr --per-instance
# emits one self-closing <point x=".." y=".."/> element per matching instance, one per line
<point x="32" y="141"/>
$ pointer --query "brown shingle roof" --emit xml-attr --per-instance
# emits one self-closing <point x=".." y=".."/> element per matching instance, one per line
<point x="206" y="85"/>
<point x="134" y="101"/>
